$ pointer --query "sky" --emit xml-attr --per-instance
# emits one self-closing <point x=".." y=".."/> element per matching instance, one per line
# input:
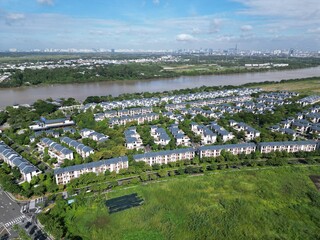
<point x="160" y="24"/>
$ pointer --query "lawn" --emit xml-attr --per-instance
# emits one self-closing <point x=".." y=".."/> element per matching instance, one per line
<point x="302" y="86"/>
<point x="279" y="203"/>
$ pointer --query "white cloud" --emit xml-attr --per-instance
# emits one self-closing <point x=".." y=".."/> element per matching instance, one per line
<point x="214" y="31"/>
<point x="246" y="28"/>
<point x="305" y="9"/>
<point x="15" y="16"/>
<point x="96" y="32"/>
<point x="214" y="25"/>
<point x="45" y="2"/>
<point x="192" y="25"/>
<point x="314" y="30"/>
<point x="183" y="37"/>
<point x="156" y="2"/>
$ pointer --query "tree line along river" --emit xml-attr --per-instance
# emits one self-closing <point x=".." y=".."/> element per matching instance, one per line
<point x="11" y="96"/>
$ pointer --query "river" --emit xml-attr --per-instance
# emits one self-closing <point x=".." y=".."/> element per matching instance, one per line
<point x="79" y="91"/>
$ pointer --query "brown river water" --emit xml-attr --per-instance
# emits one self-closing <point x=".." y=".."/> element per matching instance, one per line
<point x="79" y="91"/>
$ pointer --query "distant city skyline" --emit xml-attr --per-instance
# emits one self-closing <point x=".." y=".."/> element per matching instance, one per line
<point x="160" y="24"/>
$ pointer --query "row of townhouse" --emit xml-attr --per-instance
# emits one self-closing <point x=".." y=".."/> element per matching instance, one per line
<point x="247" y="106"/>
<point x="98" y="137"/>
<point x="225" y="108"/>
<point x="176" y="99"/>
<point x="70" y="108"/>
<point x="83" y="150"/>
<point x="11" y="157"/>
<point x="301" y="126"/>
<point x="181" y="138"/>
<point x="223" y="133"/>
<point x="50" y="132"/>
<point x="173" y="116"/>
<point x="65" y="175"/>
<point x="122" y="112"/>
<point x="206" y="102"/>
<point x="235" y="149"/>
<point x="250" y="132"/>
<point x="306" y="122"/>
<point x="217" y="101"/>
<point x="44" y="124"/>
<point x="213" y="94"/>
<point x="55" y="150"/>
<point x="160" y="136"/>
<point x="315" y="129"/>
<point x="207" y="136"/>
<point x="200" y="111"/>
<point x="144" y="102"/>
<point x="220" y="107"/>
<point x="133" y="139"/>
<point x="309" y="100"/>
<point x="165" y="157"/>
<point x="289" y="146"/>
<point x="263" y="147"/>
<point x="271" y="102"/>
<point x="141" y="118"/>
<point x="313" y="117"/>
<point x="282" y="95"/>
<point x="315" y="109"/>
<point x="149" y="102"/>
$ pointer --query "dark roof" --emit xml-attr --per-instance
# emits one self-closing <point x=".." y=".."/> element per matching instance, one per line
<point x="24" y="165"/>
<point x="227" y="146"/>
<point x="91" y="165"/>
<point x="52" y="121"/>
<point x="287" y="143"/>
<point x="56" y="146"/>
<point x="163" y="153"/>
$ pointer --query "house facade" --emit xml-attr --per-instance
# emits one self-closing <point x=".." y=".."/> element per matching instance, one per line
<point x="12" y="158"/>
<point x="289" y="146"/>
<point x="235" y="149"/>
<point x="165" y="157"/>
<point x="65" y="175"/>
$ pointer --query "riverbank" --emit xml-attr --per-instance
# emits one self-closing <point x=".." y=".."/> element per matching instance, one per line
<point x="107" y="68"/>
<point x="305" y="86"/>
<point x="81" y="91"/>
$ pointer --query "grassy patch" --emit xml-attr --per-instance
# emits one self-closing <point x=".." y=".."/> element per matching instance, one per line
<point x="303" y="86"/>
<point x="280" y="203"/>
<point x="124" y="202"/>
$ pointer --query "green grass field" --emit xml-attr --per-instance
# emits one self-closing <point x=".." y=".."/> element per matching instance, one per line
<point x="302" y="86"/>
<point x="279" y="203"/>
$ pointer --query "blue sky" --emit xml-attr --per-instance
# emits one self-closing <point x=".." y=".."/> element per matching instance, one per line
<point x="160" y="24"/>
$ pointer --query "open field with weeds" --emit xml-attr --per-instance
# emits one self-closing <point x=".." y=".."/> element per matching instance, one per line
<point x="192" y="67"/>
<point x="277" y="203"/>
<point x="309" y="86"/>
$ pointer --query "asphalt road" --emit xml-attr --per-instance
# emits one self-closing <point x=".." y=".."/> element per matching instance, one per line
<point x="9" y="211"/>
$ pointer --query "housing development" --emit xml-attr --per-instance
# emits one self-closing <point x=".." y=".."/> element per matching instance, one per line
<point x="159" y="119"/>
<point x="181" y="128"/>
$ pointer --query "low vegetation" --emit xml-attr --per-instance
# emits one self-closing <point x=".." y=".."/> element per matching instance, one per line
<point x="196" y="65"/>
<point x="305" y="86"/>
<point x="276" y="203"/>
